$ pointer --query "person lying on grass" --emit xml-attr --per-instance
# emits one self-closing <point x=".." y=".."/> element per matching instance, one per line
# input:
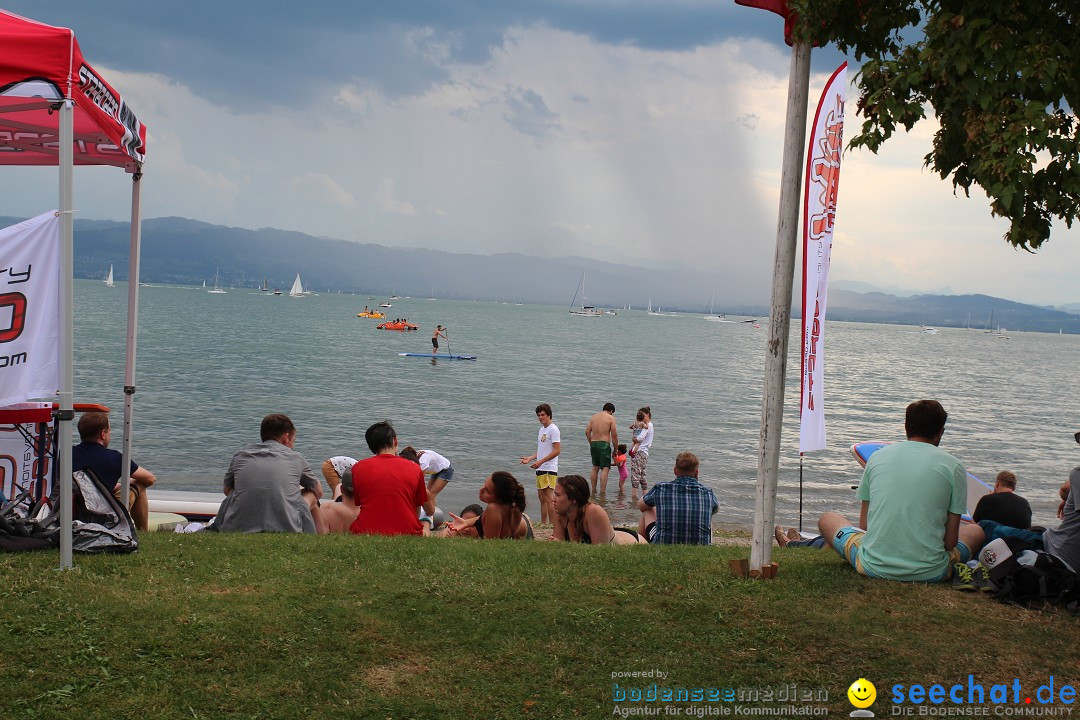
<point x="579" y="519"/>
<point x="504" y="517"/>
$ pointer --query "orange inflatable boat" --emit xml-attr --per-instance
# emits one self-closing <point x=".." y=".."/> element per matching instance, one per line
<point x="397" y="326"/>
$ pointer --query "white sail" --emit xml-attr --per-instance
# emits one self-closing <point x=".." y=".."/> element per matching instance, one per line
<point x="109" y="278"/>
<point x="297" y="289"/>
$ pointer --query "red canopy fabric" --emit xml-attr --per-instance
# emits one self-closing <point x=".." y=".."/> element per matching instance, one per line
<point x="40" y="65"/>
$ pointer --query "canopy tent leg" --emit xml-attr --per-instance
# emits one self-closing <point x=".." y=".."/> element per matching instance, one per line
<point x="132" y="328"/>
<point x="67" y="327"/>
<point x="787" y="226"/>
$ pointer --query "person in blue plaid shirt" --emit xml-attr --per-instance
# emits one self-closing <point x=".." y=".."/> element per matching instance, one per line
<point x="679" y="512"/>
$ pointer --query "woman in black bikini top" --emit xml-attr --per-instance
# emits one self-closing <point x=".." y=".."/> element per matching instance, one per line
<point x="579" y="519"/>
<point x="504" y="516"/>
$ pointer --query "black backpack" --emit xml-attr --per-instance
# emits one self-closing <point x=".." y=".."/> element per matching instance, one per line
<point x="101" y="523"/>
<point x="1047" y="580"/>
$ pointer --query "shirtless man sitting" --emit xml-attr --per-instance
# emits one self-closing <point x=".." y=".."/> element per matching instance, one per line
<point x="336" y="517"/>
<point x="602" y="436"/>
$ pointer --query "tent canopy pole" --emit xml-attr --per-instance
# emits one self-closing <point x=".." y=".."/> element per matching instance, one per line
<point x="67" y="327"/>
<point x="132" y="328"/>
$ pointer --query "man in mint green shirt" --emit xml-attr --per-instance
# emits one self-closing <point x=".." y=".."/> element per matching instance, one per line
<point x="913" y="494"/>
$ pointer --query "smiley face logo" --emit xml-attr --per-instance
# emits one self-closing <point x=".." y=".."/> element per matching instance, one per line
<point x="862" y="693"/>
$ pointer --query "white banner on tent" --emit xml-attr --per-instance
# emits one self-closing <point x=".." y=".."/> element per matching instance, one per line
<point x="819" y="213"/>
<point x="21" y="463"/>
<point x="30" y="309"/>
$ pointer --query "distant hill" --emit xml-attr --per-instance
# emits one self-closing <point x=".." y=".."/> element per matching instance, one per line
<point x="1070" y="308"/>
<point x="948" y="311"/>
<point x="187" y="252"/>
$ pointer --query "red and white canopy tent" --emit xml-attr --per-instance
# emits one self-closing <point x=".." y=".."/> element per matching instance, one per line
<point x="55" y="109"/>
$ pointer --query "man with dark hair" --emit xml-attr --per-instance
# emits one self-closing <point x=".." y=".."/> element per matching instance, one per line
<point x="679" y="512"/>
<point x="269" y="487"/>
<point x="603" y="437"/>
<point x="390" y="490"/>
<point x="94" y="453"/>
<point x="1004" y="505"/>
<point x="439" y="331"/>
<point x="913" y="495"/>
<point x="545" y="461"/>
<point x="275" y="425"/>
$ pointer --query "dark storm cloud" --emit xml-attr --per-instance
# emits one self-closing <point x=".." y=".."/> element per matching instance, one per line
<point x="255" y="53"/>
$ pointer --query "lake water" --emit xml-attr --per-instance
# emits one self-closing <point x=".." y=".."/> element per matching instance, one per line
<point x="211" y="366"/>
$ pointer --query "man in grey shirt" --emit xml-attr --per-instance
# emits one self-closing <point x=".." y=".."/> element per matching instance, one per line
<point x="270" y="487"/>
<point x="1064" y="541"/>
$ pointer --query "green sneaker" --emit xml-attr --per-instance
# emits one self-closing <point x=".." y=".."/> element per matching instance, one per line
<point x="980" y="576"/>
<point x="963" y="577"/>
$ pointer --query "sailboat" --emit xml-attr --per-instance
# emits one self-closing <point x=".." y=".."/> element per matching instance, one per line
<point x="714" y="317"/>
<point x="650" y="310"/>
<point x="297" y="289"/>
<point x="109" y="278"/>
<point x="583" y="310"/>
<point x="989" y="323"/>
<point x="266" y="285"/>
<point x="217" y="288"/>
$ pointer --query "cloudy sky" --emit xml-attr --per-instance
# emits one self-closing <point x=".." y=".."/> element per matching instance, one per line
<point x="639" y="131"/>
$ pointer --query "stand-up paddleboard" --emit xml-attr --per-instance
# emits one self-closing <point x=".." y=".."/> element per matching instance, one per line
<point x="442" y="356"/>
<point x="976" y="488"/>
<point x="200" y="506"/>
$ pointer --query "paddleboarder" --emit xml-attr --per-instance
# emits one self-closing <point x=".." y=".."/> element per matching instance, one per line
<point x="435" y="338"/>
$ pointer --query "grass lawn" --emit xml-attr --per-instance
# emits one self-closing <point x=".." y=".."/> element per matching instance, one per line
<point x="291" y="626"/>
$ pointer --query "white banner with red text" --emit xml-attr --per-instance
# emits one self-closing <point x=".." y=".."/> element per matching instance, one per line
<point x="819" y="214"/>
<point x="30" y="309"/>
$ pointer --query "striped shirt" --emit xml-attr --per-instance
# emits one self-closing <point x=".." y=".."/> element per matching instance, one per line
<point x="684" y="510"/>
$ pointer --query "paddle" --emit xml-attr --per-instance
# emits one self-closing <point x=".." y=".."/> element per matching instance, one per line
<point x="447" y="336"/>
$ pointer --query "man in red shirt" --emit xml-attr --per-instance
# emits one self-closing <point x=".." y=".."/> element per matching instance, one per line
<point x="390" y="490"/>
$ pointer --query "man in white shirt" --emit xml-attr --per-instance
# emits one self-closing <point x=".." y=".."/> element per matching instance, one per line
<point x="545" y="461"/>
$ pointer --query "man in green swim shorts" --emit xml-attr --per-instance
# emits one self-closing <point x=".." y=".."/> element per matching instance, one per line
<point x="602" y="437"/>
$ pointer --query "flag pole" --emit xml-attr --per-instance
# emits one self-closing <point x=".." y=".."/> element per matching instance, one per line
<point x="800" y="491"/>
<point x="772" y="404"/>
